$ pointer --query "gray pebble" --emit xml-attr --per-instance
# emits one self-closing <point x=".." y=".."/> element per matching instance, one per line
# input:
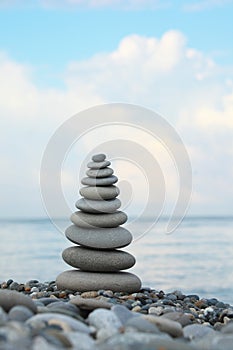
<point x="83" y="281"/>
<point x="182" y="318"/>
<point x="104" y="181"/>
<point x="100" y="172"/>
<point x="141" y="325"/>
<point x="40" y="343"/>
<point x="173" y="328"/>
<point x="85" y="220"/>
<point x="10" y="298"/>
<point x="97" y="260"/>
<point x="101" y="238"/>
<point x="20" y="313"/>
<point x="147" y="341"/>
<point x="64" y="321"/>
<point x="81" y="341"/>
<point x="228" y="328"/>
<point x="90" y="303"/>
<point x="98" y="157"/>
<point x="99" y="193"/>
<point x="96" y="206"/>
<point x="123" y="313"/>
<point x="102" y="318"/>
<point x="222" y="343"/>
<point x="98" y="165"/>
<point x="16" y="336"/>
<point x="194" y="331"/>
<point x="3" y="317"/>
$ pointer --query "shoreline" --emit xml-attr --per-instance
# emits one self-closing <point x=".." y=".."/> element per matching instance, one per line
<point x="35" y="315"/>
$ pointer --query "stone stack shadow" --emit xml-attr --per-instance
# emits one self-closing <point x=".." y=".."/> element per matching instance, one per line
<point x="97" y="235"/>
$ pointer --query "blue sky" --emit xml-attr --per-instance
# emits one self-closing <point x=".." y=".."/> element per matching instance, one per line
<point x="60" y="57"/>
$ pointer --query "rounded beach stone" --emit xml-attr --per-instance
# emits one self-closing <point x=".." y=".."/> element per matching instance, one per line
<point x="98" y="165"/>
<point x="98" y="157"/>
<point x="11" y="298"/>
<point x="97" y="260"/>
<point x="82" y="281"/>
<point x="55" y="319"/>
<point x="86" y="220"/>
<point x="20" y="313"/>
<point x="99" y="172"/>
<point x="90" y="304"/>
<point x="102" y="181"/>
<point x="92" y="206"/>
<point x="99" y="193"/>
<point x="101" y="238"/>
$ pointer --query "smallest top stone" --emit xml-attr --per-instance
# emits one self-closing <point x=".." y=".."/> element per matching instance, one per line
<point x="99" y="157"/>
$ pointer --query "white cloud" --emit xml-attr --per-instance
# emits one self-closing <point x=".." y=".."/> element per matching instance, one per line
<point x="164" y="74"/>
<point x="90" y="4"/>
<point x="205" y="5"/>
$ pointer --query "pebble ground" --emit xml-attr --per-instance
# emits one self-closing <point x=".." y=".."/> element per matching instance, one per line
<point x="38" y="316"/>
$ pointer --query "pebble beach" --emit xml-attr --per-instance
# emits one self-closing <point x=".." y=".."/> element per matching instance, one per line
<point x="39" y="316"/>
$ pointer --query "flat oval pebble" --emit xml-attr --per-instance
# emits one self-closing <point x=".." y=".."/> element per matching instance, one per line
<point x="20" y="313"/>
<point x="82" y="281"/>
<point x="97" y="260"/>
<point x="98" y="157"/>
<point x="173" y="328"/>
<point x="101" y="238"/>
<point x="99" y="193"/>
<point x="98" y="165"/>
<point x="90" y="304"/>
<point x="102" y="181"/>
<point x="86" y="220"/>
<point x="99" y="172"/>
<point x="56" y="319"/>
<point x="10" y="298"/>
<point x="102" y="319"/>
<point x="92" y="206"/>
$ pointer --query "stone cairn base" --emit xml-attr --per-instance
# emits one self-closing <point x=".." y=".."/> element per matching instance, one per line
<point x="97" y="235"/>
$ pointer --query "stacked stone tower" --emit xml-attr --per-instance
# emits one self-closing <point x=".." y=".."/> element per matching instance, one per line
<point x="97" y="235"/>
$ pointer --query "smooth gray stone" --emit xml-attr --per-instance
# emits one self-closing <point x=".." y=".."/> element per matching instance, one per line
<point x="228" y="328"/>
<point x="98" y="157"/>
<point x="100" y="172"/>
<point x="102" y="318"/>
<point x="90" y="303"/>
<point x="86" y="220"/>
<point x="97" y="260"/>
<point x="3" y="317"/>
<point x="99" y="193"/>
<point x="82" y="281"/>
<point x="101" y="238"/>
<point x="92" y="206"/>
<point x="10" y="298"/>
<point x="102" y="181"/>
<point x="143" y="341"/>
<point x="222" y="343"/>
<point x="197" y="331"/>
<point x="15" y="336"/>
<point x="98" y="165"/>
<point x="170" y="327"/>
<point x="142" y="325"/>
<point x="123" y="313"/>
<point x="20" y="313"/>
<point x="183" y="318"/>
<point x="81" y="341"/>
<point x="40" y="343"/>
<point x="64" y="321"/>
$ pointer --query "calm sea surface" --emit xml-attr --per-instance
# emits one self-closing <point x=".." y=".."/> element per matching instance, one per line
<point x="196" y="258"/>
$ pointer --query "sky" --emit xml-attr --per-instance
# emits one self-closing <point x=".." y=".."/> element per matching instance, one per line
<point x="60" y="57"/>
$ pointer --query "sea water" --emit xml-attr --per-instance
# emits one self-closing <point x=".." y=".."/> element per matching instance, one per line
<point x="196" y="258"/>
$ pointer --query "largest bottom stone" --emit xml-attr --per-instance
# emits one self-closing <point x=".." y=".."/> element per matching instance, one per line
<point x="82" y="281"/>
